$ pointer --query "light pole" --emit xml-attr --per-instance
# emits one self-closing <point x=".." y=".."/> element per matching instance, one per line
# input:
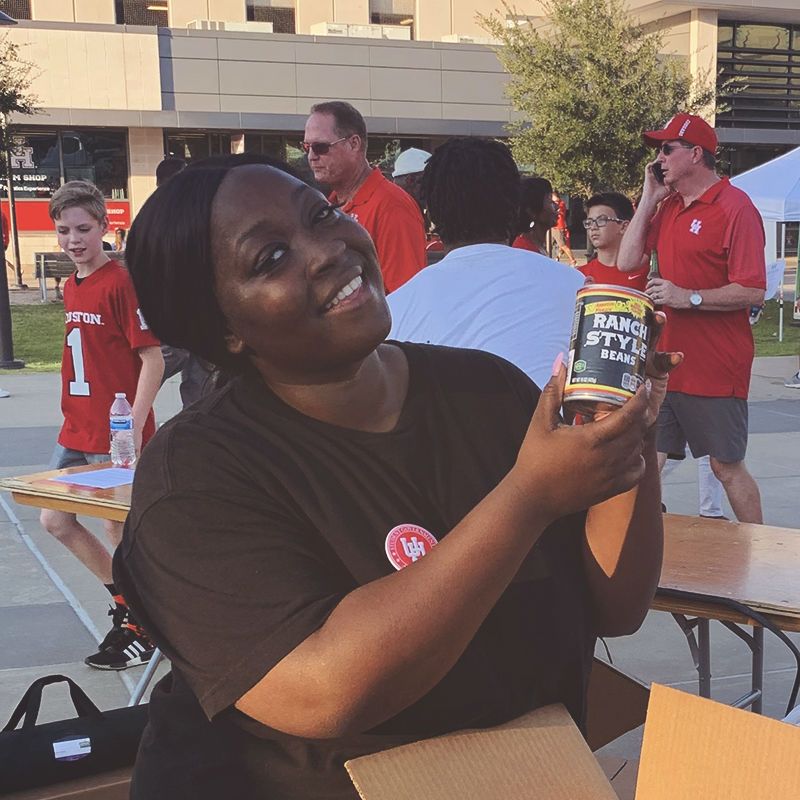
<point x="7" y="360"/>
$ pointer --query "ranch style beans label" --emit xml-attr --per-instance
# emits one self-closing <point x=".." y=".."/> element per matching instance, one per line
<point x="608" y="348"/>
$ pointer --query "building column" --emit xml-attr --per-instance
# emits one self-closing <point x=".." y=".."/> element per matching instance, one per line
<point x="703" y="50"/>
<point x="145" y="151"/>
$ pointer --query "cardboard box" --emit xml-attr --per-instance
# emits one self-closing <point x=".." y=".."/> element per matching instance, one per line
<point x="114" y="785"/>
<point x="694" y="749"/>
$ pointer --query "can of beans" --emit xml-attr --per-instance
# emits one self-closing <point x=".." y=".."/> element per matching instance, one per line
<point x="608" y="348"/>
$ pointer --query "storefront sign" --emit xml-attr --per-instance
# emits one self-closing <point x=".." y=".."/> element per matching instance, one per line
<point x="32" y="215"/>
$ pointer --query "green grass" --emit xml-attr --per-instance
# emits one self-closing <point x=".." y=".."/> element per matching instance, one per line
<point x="38" y="335"/>
<point x="765" y="332"/>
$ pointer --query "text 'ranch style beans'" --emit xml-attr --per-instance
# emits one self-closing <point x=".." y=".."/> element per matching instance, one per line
<point x="611" y="332"/>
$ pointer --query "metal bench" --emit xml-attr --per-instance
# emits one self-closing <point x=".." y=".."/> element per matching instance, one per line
<point x="52" y="265"/>
<point x="58" y="265"/>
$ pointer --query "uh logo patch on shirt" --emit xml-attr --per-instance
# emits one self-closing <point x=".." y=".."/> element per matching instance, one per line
<point x="695" y="227"/>
<point x="408" y="543"/>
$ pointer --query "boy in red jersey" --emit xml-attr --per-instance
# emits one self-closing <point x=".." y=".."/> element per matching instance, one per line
<point x="108" y="348"/>
<point x="608" y="215"/>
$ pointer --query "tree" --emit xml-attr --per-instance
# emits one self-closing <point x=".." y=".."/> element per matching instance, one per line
<point x="586" y="84"/>
<point x="16" y="75"/>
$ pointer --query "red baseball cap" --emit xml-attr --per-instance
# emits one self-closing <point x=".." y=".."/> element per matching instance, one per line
<point x="686" y="127"/>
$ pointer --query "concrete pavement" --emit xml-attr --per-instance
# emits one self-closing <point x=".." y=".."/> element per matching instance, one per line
<point x="52" y="610"/>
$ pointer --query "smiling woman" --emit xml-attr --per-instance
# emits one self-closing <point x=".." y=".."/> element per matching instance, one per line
<point x="354" y="544"/>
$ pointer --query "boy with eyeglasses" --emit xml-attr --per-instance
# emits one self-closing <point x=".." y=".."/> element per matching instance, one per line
<point x="608" y="216"/>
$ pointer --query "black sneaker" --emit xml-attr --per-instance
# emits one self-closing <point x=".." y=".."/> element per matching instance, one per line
<point x="122" y="648"/>
<point x="119" y="616"/>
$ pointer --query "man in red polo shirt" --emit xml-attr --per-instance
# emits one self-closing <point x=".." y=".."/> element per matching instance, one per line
<point x="336" y="144"/>
<point x="710" y="243"/>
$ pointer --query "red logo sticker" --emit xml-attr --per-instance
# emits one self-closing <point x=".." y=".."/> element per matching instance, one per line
<point x="406" y="544"/>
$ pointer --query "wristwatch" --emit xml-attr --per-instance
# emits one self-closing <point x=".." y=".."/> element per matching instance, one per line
<point x="695" y="298"/>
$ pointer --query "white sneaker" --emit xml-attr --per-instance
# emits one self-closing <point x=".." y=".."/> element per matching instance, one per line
<point x="4" y="393"/>
<point x="793" y="382"/>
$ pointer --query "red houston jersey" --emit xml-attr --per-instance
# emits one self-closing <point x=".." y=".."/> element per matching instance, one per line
<point x="104" y="330"/>
<point x="716" y="240"/>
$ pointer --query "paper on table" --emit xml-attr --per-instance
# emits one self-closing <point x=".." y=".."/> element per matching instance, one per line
<point x="99" y="479"/>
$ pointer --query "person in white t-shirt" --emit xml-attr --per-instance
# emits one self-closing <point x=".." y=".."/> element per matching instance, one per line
<point x="484" y="294"/>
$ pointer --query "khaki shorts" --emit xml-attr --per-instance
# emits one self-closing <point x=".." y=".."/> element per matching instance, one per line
<point x="711" y="426"/>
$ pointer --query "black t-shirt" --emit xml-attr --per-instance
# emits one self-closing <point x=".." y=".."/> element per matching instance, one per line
<point x="250" y="522"/>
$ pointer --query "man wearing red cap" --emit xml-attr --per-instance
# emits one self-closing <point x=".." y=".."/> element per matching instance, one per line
<point x="710" y="243"/>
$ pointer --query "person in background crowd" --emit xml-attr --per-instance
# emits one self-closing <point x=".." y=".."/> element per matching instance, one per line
<point x="336" y="144"/>
<point x="484" y="294"/>
<point x="710" y="243"/>
<point x="794" y="381"/>
<point x="561" y="231"/>
<point x="119" y="240"/>
<point x="108" y="348"/>
<point x="386" y="541"/>
<point x="195" y="374"/>
<point x="168" y="167"/>
<point x="407" y="173"/>
<point x="537" y="215"/>
<point x="609" y="214"/>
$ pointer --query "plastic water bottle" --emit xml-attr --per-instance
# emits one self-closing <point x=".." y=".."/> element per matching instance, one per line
<point x="123" y="447"/>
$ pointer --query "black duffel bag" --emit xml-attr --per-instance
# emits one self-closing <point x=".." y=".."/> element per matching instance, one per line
<point x="92" y="743"/>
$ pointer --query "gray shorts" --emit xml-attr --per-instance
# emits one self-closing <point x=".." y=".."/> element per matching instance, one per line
<point x="63" y="457"/>
<point x="711" y="426"/>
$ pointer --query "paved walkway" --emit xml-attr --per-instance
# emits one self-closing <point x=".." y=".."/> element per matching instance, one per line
<point x="52" y="610"/>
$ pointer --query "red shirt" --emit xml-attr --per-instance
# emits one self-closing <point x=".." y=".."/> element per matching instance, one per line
<point x="104" y="329"/>
<point x="718" y="239"/>
<point x="393" y="220"/>
<point x="600" y="273"/>
<point x="561" y="219"/>
<point x="523" y="243"/>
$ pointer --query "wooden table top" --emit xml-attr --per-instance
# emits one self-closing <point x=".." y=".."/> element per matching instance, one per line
<point x="757" y="565"/>
<point x="41" y="491"/>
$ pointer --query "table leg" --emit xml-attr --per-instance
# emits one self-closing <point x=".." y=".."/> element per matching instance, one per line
<point x="147" y="676"/>
<point x="755" y="641"/>
<point x="704" y="666"/>
<point x="758" y="668"/>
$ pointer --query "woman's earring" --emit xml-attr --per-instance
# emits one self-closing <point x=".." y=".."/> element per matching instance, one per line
<point x="532" y="225"/>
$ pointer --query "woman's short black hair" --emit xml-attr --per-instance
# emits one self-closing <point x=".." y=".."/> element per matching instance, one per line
<point x="533" y="193"/>
<point x="471" y="189"/>
<point x="169" y="257"/>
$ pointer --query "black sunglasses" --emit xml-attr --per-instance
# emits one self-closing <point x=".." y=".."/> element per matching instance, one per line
<point x="320" y="148"/>
<point x="667" y="148"/>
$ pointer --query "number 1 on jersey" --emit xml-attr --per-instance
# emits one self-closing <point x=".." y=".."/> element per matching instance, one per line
<point x="79" y="387"/>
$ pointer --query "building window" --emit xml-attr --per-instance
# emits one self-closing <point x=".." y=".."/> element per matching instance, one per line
<point x="764" y="63"/>
<point x="42" y="161"/>
<point x="194" y="146"/>
<point x="142" y="12"/>
<point x="17" y="9"/>
<point x="281" y="16"/>
<point x="392" y="12"/>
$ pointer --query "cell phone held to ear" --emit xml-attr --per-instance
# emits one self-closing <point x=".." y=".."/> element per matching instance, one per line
<point x="658" y="172"/>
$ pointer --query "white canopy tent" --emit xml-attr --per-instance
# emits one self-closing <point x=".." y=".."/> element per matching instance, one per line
<point x="774" y="188"/>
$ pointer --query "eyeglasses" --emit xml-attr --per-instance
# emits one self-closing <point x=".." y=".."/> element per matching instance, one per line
<point x="600" y="222"/>
<point x="320" y="148"/>
<point x="667" y="148"/>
